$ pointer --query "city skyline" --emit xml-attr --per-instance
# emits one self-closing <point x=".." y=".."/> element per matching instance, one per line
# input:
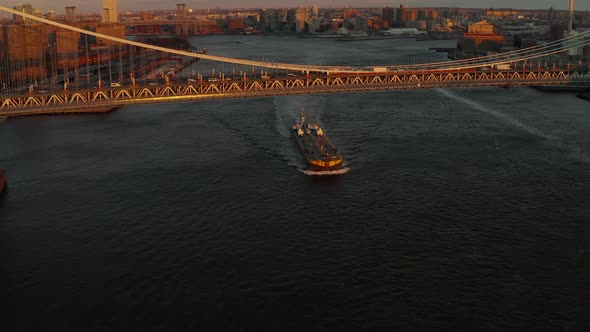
<point x="88" y="6"/>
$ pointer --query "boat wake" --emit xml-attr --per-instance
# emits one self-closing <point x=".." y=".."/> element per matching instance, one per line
<point x="498" y="115"/>
<point x="574" y="151"/>
<point x="324" y="173"/>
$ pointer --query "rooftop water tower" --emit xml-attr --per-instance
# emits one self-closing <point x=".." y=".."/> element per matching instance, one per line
<point x="70" y="14"/>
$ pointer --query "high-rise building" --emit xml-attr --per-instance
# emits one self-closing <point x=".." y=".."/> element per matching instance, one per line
<point x="401" y="15"/>
<point x="263" y="22"/>
<point x="291" y="19"/>
<point x="299" y="19"/>
<point x="109" y="11"/>
<point x="411" y="14"/>
<point x="67" y="49"/>
<point x="315" y="11"/>
<point x="387" y="17"/>
<point x="279" y="19"/>
<point x="270" y="20"/>
<point x="25" y="51"/>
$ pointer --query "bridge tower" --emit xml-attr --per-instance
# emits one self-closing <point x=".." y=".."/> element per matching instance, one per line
<point x="182" y="26"/>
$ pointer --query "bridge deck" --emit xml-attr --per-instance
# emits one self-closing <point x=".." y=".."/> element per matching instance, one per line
<point x="71" y="101"/>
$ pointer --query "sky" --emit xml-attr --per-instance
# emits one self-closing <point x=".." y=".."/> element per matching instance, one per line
<point x="87" y="6"/>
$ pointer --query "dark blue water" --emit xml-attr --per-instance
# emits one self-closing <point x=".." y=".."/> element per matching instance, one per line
<point x="462" y="210"/>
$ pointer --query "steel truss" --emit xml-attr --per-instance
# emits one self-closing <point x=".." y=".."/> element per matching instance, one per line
<point x="71" y="101"/>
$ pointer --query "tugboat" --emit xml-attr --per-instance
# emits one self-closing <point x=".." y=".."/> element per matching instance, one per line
<point x="3" y="185"/>
<point x="320" y="153"/>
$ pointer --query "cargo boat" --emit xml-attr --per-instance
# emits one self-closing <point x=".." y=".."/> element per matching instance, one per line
<point x="319" y="152"/>
<point x="3" y="185"/>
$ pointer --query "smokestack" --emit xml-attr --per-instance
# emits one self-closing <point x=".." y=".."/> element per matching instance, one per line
<point x="571" y="23"/>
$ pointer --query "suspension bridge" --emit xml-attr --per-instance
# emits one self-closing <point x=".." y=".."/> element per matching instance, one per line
<point x="140" y="73"/>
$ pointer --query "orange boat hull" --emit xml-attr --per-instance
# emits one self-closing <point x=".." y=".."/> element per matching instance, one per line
<point x="321" y="165"/>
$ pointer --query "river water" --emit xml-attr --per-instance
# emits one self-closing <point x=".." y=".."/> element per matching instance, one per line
<point x="462" y="209"/>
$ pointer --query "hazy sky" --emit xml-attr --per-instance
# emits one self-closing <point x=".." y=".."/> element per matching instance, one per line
<point x="95" y="5"/>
